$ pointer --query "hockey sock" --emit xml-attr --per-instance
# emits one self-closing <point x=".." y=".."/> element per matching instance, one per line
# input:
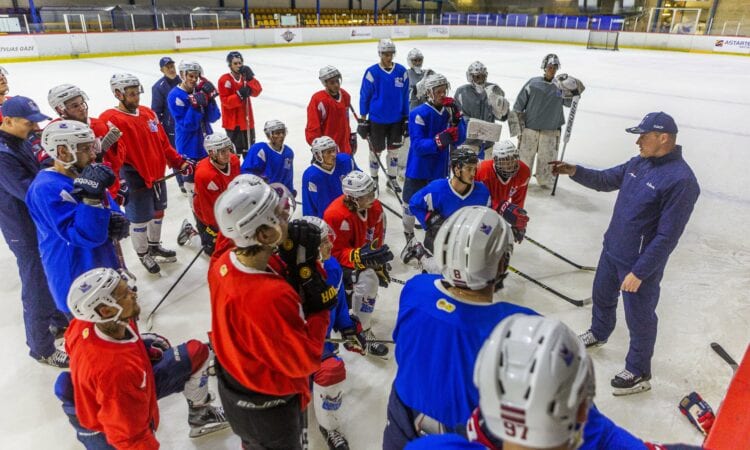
<point x="364" y="296"/>
<point x="138" y="237"/>
<point x="196" y="387"/>
<point x="392" y="162"/>
<point x="154" y="230"/>
<point x="328" y="394"/>
<point x="374" y="166"/>
<point x="408" y="220"/>
<point x="190" y="188"/>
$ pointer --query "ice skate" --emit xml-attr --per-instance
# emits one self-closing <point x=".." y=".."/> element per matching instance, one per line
<point x="206" y="419"/>
<point x="334" y="439"/>
<point x="187" y="232"/>
<point x="57" y="359"/>
<point x="626" y="383"/>
<point x="589" y="340"/>
<point x="161" y="254"/>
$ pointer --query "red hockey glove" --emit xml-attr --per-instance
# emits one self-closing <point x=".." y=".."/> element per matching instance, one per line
<point x="450" y="104"/>
<point x="514" y="215"/>
<point x="207" y="88"/>
<point x="156" y="345"/>
<point x="355" y="338"/>
<point x="198" y="100"/>
<point x="187" y="167"/>
<point x="446" y="137"/>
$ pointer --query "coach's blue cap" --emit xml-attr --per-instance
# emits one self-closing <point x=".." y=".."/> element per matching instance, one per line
<point x="164" y="61"/>
<point x="23" y="107"/>
<point x="655" y="121"/>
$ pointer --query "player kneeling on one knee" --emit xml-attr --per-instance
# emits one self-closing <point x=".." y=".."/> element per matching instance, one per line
<point x="117" y="374"/>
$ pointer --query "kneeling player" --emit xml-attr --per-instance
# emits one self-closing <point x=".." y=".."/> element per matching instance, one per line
<point x="117" y="374"/>
<point x="358" y="221"/>
<point x="507" y="178"/>
<point x="321" y="182"/>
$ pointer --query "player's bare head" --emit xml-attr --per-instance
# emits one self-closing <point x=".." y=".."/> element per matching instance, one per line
<point x="464" y="162"/>
<point x="505" y="157"/>
<point x="324" y="150"/>
<point x="360" y="190"/>
<point x="219" y="148"/>
<point x="103" y="295"/>
<point x="254" y="214"/>
<point x="275" y="131"/>
<point x="127" y="89"/>
<point x="473" y="248"/>
<point x="69" y="143"/>
<point x="331" y="79"/>
<point x="235" y="61"/>
<point x="3" y="81"/>
<point x="535" y="382"/>
<point x="327" y="236"/>
<point x="69" y="101"/>
<point x="437" y="88"/>
<point x="476" y="74"/>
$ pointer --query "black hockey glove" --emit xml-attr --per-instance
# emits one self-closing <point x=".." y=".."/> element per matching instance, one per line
<point x="316" y="294"/>
<point x="198" y="100"/>
<point x="384" y="276"/>
<point x="244" y="92"/>
<point x="353" y="142"/>
<point x="370" y="257"/>
<point x="405" y="127"/>
<point x="123" y="193"/>
<point x="119" y="227"/>
<point x="93" y="181"/>
<point x="302" y="246"/>
<point x="363" y="128"/>
<point x="432" y="223"/>
<point x="247" y="72"/>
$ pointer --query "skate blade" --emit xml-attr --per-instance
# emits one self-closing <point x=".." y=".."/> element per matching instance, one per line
<point x="643" y="386"/>
<point x="207" y="429"/>
<point x="165" y="259"/>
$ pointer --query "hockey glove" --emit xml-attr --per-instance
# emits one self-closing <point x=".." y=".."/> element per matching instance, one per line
<point x="156" y="345"/>
<point x="514" y="215"/>
<point x="370" y="257"/>
<point x="518" y="234"/>
<point x="363" y="128"/>
<point x="93" y="181"/>
<point x="317" y="295"/>
<point x="123" y="193"/>
<point x="109" y="139"/>
<point x="450" y="104"/>
<point x="198" y="100"/>
<point x="384" y="276"/>
<point x="355" y="338"/>
<point x="302" y="246"/>
<point x="247" y="72"/>
<point x="207" y="88"/>
<point x="405" y="127"/>
<point x="353" y="142"/>
<point x="244" y="92"/>
<point x="433" y="220"/>
<point x="569" y="86"/>
<point x="208" y="240"/>
<point x="446" y="137"/>
<point x="119" y="227"/>
<point x="187" y="167"/>
<point x="698" y="412"/>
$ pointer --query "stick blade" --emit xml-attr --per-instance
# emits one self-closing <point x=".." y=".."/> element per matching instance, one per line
<point x="724" y="355"/>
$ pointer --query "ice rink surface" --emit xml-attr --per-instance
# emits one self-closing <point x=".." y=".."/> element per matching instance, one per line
<point x="705" y="289"/>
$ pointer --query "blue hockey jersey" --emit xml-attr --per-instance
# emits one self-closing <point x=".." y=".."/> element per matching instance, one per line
<point x="321" y="187"/>
<point x="191" y="125"/>
<point x="340" y="319"/>
<point x="275" y="166"/>
<point x="73" y="236"/>
<point x="384" y="96"/>
<point x="437" y="340"/>
<point x="426" y="160"/>
<point x="440" y="197"/>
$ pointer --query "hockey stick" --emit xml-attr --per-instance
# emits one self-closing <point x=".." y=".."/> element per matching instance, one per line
<point x="121" y="259"/>
<point x="552" y="252"/>
<point x="150" y="317"/>
<point x="164" y="178"/>
<point x="566" y="138"/>
<point x="570" y="300"/>
<point x="725" y="356"/>
<point x="369" y="341"/>
<point x="247" y="120"/>
<point x="398" y="281"/>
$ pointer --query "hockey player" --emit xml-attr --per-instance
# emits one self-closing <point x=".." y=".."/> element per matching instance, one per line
<point x="144" y="169"/>
<point x="235" y="90"/>
<point x="70" y="102"/>
<point x="212" y="176"/>
<point x="433" y="129"/>
<point x="192" y="103"/>
<point x="359" y="223"/>
<point x="117" y="374"/>
<point x="437" y="201"/>
<point x="414" y="60"/>
<point x="273" y="161"/>
<point x="443" y="321"/>
<point x="657" y="194"/>
<point x="159" y="92"/>
<point x="77" y="221"/>
<point x="328" y="112"/>
<point x="537" y="117"/>
<point x="18" y="167"/>
<point x="264" y="381"/>
<point x="527" y="364"/>
<point x="328" y="382"/>
<point x="384" y="110"/>
<point x="321" y="182"/>
<point x="481" y="100"/>
<point x="507" y="178"/>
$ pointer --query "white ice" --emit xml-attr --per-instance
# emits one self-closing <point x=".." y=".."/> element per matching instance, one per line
<point x="704" y="292"/>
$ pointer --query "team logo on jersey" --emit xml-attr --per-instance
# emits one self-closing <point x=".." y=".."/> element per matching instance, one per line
<point x="153" y="125"/>
<point x="344" y="226"/>
<point x="228" y="84"/>
<point x="444" y="305"/>
<point x="399" y="82"/>
<point x="312" y="187"/>
<point x="223" y="270"/>
<point x="287" y="163"/>
<point x="486" y="229"/>
<point x="370" y="234"/>
<point x="212" y="186"/>
<point x="85" y="333"/>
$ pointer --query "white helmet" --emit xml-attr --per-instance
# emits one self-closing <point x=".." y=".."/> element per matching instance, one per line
<point x="533" y="372"/>
<point x="550" y="59"/>
<point x="414" y="53"/>
<point x="328" y="72"/>
<point x="358" y="184"/>
<point x="69" y="133"/>
<point x="505" y="156"/>
<point x="217" y="141"/>
<point x="58" y="95"/>
<point x="386" y="46"/>
<point x="91" y="290"/>
<point x="432" y="82"/>
<point x="120" y="81"/>
<point x="476" y="68"/>
<point x="247" y="204"/>
<point x="470" y="245"/>
<point x="325" y="230"/>
<point x="321" y="144"/>
<point x="273" y="125"/>
<point x="190" y="66"/>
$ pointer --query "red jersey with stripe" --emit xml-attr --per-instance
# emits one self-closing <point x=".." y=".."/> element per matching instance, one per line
<point x="327" y="116"/>
<point x="210" y="182"/>
<point x="354" y="230"/>
<point x="234" y="111"/>
<point x="513" y="190"/>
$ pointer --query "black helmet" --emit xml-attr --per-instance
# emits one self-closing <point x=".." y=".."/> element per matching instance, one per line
<point x="463" y="155"/>
<point x="234" y="54"/>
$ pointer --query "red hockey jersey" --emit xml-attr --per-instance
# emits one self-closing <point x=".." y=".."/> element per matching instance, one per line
<point x="210" y="182"/>
<point x="353" y="231"/>
<point x="233" y="109"/>
<point x="113" y="384"/>
<point x="278" y="348"/>
<point x="514" y="189"/>
<point x="149" y="150"/>
<point x="327" y="116"/>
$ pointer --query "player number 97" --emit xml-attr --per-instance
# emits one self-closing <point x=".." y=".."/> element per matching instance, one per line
<point x="512" y="429"/>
